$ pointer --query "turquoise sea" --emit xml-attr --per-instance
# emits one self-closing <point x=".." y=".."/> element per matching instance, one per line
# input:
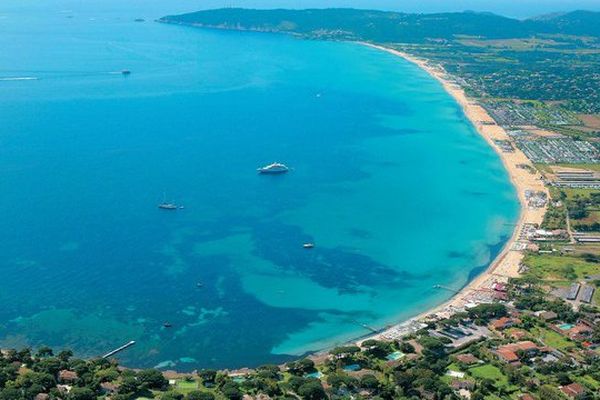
<point x="389" y="180"/>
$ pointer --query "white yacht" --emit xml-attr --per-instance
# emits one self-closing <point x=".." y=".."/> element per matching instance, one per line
<point x="275" y="168"/>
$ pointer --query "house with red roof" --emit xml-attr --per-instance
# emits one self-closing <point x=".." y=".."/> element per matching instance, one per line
<point x="574" y="390"/>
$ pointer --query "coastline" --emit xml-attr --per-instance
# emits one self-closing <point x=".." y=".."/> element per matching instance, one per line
<point x="507" y="263"/>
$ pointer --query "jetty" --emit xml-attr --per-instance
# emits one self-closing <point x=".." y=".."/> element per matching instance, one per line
<point x="370" y="328"/>
<point x="445" y="288"/>
<point x="119" y="349"/>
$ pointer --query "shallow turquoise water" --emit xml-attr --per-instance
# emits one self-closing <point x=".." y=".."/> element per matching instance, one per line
<point x="390" y="181"/>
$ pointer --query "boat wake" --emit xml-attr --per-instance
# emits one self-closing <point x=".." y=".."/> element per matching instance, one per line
<point x="20" y="78"/>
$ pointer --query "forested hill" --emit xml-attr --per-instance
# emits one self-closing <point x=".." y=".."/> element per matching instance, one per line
<point x="382" y="26"/>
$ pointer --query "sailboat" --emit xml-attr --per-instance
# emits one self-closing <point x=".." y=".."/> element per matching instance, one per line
<point x="168" y="206"/>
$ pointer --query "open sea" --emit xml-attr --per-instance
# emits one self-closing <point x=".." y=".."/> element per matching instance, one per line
<point x="389" y="180"/>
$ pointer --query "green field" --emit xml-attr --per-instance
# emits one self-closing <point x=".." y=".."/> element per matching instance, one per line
<point x="183" y="386"/>
<point x="552" y="338"/>
<point x="488" y="371"/>
<point x="559" y="268"/>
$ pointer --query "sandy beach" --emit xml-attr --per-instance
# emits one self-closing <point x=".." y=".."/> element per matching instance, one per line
<point x="507" y="263"/>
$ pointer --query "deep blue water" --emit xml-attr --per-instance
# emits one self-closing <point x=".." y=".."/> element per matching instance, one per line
<point x="389" y="180"/>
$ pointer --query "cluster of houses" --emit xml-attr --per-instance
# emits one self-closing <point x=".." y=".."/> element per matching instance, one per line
<point x="522" y="349"/>
<point x="66" y="380"/>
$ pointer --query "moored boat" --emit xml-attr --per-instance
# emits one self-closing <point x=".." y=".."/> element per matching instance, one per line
<point x="165" y="205"/>
<point x="168" y="206"/>
<point x="275" y="168"/>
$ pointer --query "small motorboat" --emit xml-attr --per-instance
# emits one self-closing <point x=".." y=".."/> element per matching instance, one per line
<point x="125" y="72"/>
<point x="167" y="325"/>
<point x="308" y="245"/>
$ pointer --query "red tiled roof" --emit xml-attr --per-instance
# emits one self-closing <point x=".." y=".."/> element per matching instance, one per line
<point x="509" y="351"/>
<point x="66" y="375"/>
<point x="525" y="345"/>
<point x="518" y="334"/>
<point x="573" y="390"/>
<point x="467" y="358"/>
<point x="580" y="329"/>
<point x="507" y="355"/>
<point x="501" y="323"/>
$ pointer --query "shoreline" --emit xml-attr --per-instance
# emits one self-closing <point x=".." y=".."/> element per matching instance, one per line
<point x="507" y="262"/>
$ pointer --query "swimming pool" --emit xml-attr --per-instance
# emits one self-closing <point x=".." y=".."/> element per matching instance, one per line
<point x="395" y="356"/>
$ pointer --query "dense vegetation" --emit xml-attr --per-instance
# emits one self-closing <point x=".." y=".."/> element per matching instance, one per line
<point x="382" y="26"/>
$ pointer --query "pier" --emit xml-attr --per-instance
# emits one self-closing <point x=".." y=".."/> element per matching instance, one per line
<point x="119" y="349"/>
<point x="445" y="288"/>
<point x="370" y="328"/>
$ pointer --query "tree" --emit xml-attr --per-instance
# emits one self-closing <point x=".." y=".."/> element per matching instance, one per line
<point x="563" y="378"/>
<point x="65" y="355"/>
<point x="199" y="395"/>
<point x="10" y="393"/>
<point x="301" y="367"/>
<point x="171" y="396"/>
<point x="376" y="348"/>
<point x="340" y="380"/>
<point x="48" y="365"/>
<point x="8" y="373"/>
<point x="231" y="391"/>
<point x="369" y="381"/>
<point x="312" y="390"/>
<point x="433" y="348"/>
<point x="407" y="348"/>
<point x="548" y="392"/>
<point x="207" y="375"/>
<point x="24" y="356"/>
<point x="40" y="379"/>
<point x="486" y="312"/>
<point x="153" y="378"/>
<point x="81" y="393"/>
<point x="129" y="385"/>
<point x="345" y="351"/>
<point x="44" y="351"/>
<point x="295" y="382"/>
<point x="268" y="372"/>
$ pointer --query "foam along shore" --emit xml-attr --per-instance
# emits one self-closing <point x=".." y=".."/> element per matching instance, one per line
<point x="506" y="264"/>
